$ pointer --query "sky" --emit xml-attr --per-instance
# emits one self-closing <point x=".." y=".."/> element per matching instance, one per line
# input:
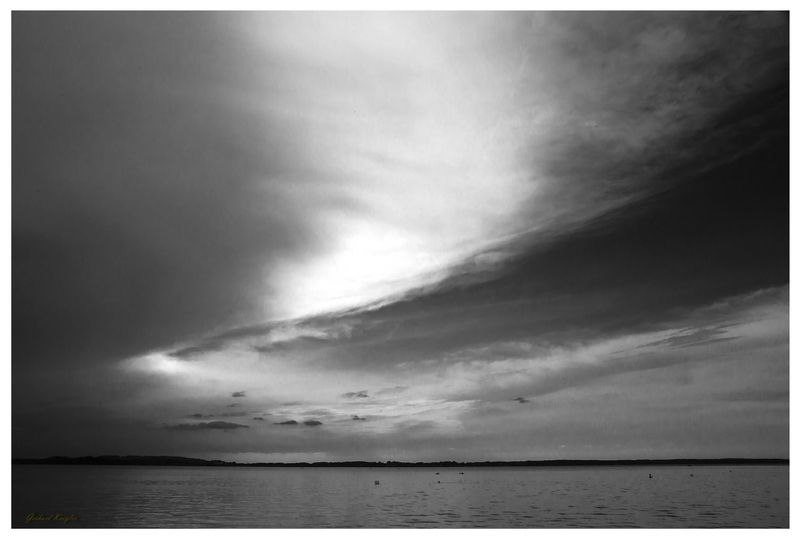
<point x="407" y="236"/>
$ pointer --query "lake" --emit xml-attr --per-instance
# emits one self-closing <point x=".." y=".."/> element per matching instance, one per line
<point x="493" y="497"/>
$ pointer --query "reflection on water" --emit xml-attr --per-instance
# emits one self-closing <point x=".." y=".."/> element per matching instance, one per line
<point x="120" y="496"/>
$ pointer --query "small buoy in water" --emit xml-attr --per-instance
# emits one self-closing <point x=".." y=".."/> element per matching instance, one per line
<point x="377" y="483"/>
<point x="439" y="482"/>
<point x="650" y="475"/>
<point x="437" y="473"/>
<point x="461" y="473"/>
<point x="691" y="475"/>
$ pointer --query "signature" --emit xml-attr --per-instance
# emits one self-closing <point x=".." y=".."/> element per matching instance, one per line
<point x="52" y="517"/>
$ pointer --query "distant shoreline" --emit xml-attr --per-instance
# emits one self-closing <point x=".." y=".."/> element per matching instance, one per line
<point x="193" y="462"/>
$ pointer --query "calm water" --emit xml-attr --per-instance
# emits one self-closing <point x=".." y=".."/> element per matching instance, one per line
<point x="676" y="496"/>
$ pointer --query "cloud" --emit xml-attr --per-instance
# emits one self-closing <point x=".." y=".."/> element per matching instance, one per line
<point x="239" y="394"/>
<point x="106" y="282"/>
<point x="489" y="204"/>
<point x="359" y="394"/>
<point x="234" y="414"/>
<point x="691" y="337"/>
<point x="294" y="423"/>
<point x="207" y="425"/>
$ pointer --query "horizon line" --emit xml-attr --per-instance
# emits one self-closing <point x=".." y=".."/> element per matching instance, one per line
<point x="110" y="459"/>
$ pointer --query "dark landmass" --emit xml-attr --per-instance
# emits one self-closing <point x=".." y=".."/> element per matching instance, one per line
<point x="192" y="462"/>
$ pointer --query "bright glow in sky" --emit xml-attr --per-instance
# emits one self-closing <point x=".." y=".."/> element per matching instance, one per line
<point x="405" y="124"/>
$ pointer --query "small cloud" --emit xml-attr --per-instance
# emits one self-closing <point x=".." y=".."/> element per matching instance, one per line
<point x="239" y="394"/>
<point x="207" y="425"/>
<point x="287" y="423"/>
<point x="359" y="394"/>
<point x="234" y="414"/>
<point x="312" y="423"/>
<point x="198" y="415"/>
<point x="258" y="418"/>
<point x="521" y="400"/>
<point x="356" y="417"/>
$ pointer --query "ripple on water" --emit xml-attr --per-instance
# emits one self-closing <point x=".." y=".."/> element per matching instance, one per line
<point x="253" y="498"/>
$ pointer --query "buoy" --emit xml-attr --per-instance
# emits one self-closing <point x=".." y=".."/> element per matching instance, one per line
<point x="650" y="475"/>
<point x="377" y="483"/>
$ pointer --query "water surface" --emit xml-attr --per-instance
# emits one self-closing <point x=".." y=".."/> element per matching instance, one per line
<point x="495" y="497"/>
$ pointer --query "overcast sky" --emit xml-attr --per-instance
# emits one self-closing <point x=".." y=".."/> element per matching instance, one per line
<point x="400" y="236"/>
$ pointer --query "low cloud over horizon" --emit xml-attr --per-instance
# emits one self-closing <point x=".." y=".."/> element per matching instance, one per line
<point x="427" y="236"/>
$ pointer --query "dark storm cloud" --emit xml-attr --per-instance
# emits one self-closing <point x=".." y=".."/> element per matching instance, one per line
<point x="239" y="394"/>
<point x="151" y="203"/>
<point x="654" y="98"/>
<point x="142" y="206"/>
<point x="206" y="425"/>
<point x="690" y="242"/>
<point x="723" y="234"/>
